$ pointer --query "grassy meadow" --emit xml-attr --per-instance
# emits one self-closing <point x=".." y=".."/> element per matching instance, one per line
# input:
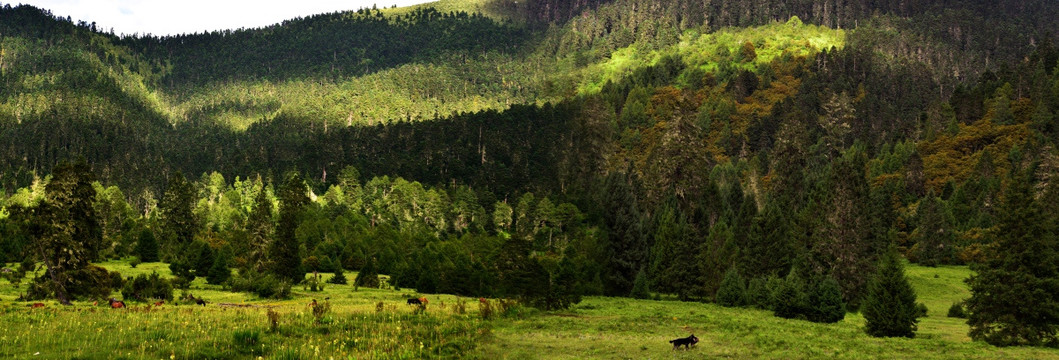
<point x="358" y="327"/>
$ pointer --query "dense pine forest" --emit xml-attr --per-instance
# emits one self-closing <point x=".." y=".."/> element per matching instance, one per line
<point x="736" y="152"/>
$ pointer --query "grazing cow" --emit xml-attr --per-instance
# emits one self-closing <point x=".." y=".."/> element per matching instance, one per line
<point x="160" y="303"/>
<point x="36" y="305"/>
<point x="482" y="300"/>
<point x="116" y="304"/>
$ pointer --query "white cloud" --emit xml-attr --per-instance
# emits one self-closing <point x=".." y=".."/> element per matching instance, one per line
<point x="191" y="16"/>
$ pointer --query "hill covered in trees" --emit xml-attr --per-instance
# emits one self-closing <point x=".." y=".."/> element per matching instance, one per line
<point x="558" y="148"/>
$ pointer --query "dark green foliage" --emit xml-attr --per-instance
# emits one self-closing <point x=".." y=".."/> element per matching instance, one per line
<point x="202" y="258"/>
<point x="285" y="249"/>
<point x="934" y="235"/>
<point x="147" y="288"/>
<point x="338" y="278"/>
<point x="757" y="293"/>
<point x="789" y="300"/>
<point x="640" y="289"/>
<point x="890" y="308"/>
<point x="183" y="272"/>
<point x="1015" y="293"/>
<point x="65" y="232"/>
<point x="146" y="247"/>
<point x="178" y="221"/>
<point x="732" y="292"/>
<point x="266" y="286"/>
<point x="826" y="302"/>
<point x="957" y="311"/>
<point x="674" y="255"/>
<point x="219" y="270"/>
<point x="626" y="245"/>
<point x="368" y="276"/>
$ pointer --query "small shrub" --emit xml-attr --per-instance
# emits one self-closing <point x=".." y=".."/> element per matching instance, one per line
<point x="380" y="306"/>
<point x="116" y="281"/>
<point x="732" y="292"/>
<point x="147" y="288"/>
<point x="957" y="311"/>
<point x="135" y="262"/>
<point x="339" y="278"/>
<point x="264" y="286"/>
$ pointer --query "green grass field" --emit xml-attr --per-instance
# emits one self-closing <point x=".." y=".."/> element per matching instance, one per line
<point x="598" y="327"/>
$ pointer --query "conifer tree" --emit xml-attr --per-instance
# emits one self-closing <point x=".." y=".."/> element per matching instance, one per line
<point x="733" y="290"/>
<point x="339" y="278"/>
<point x="934" y="237"/>
<point x="178" y="221"/>
<point x="368" y="276"/>
<point x="789" y="300"/>
<point x="284" y="250"/>
<point x="890" y="305"/>
<point x="826" y="302"/>
<point x="147" y="246"/>
<point x="219" y="271"/>
<point x="1015" y="293"/>
<point x="626" y="243"/>
<point x="640" y="288"/>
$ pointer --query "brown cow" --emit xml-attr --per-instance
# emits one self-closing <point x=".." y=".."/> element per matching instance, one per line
<point x="36" y="305"/>
<point x="116" y="304"/>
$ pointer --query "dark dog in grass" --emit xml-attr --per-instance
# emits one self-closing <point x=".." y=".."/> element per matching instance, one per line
<point x="687" y="342"/>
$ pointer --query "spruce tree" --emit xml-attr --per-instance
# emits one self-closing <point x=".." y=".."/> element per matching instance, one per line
<point x="933" y="236"/>
<point x="640" y="289"/>
<point x="178" y="220"/>
<point x="789" y="300"/>
<point x="1015" y="293"/>
<point x="826" y="302"/>
<point x="219" y="271"/>
<point x="368" y="276"/>
<point x="147" y="246"/>
<point x="733" y="290"/>
<point x="339" y="278"/>
<point x="626" y="246"/>
<point x="890" y="305"/>
<point x="284" y="250"/>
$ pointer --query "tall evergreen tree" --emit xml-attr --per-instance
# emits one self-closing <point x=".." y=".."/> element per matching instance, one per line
<point x="626" y="243"/>
<point x="284" y="251"/>
<point x="847" y="250"/>
<point x="733" y="290"/>
<point x="260" y="226"/>
<point x="890" y="305"/>
<point x="64" y="225"/>
<point x="1015" y="293"/>
<point x="219" y="271"/>
<point x="674" y="255"/>
<point x="934" y="237"/>
<point x="178" y="221"/>
<point x="147" y="246"/>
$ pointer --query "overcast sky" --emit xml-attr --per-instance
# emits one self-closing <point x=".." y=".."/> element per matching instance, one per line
<point x="165" y="17"/>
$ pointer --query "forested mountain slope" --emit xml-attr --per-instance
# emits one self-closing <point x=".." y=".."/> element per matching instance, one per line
<point x="770" y="137"/>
